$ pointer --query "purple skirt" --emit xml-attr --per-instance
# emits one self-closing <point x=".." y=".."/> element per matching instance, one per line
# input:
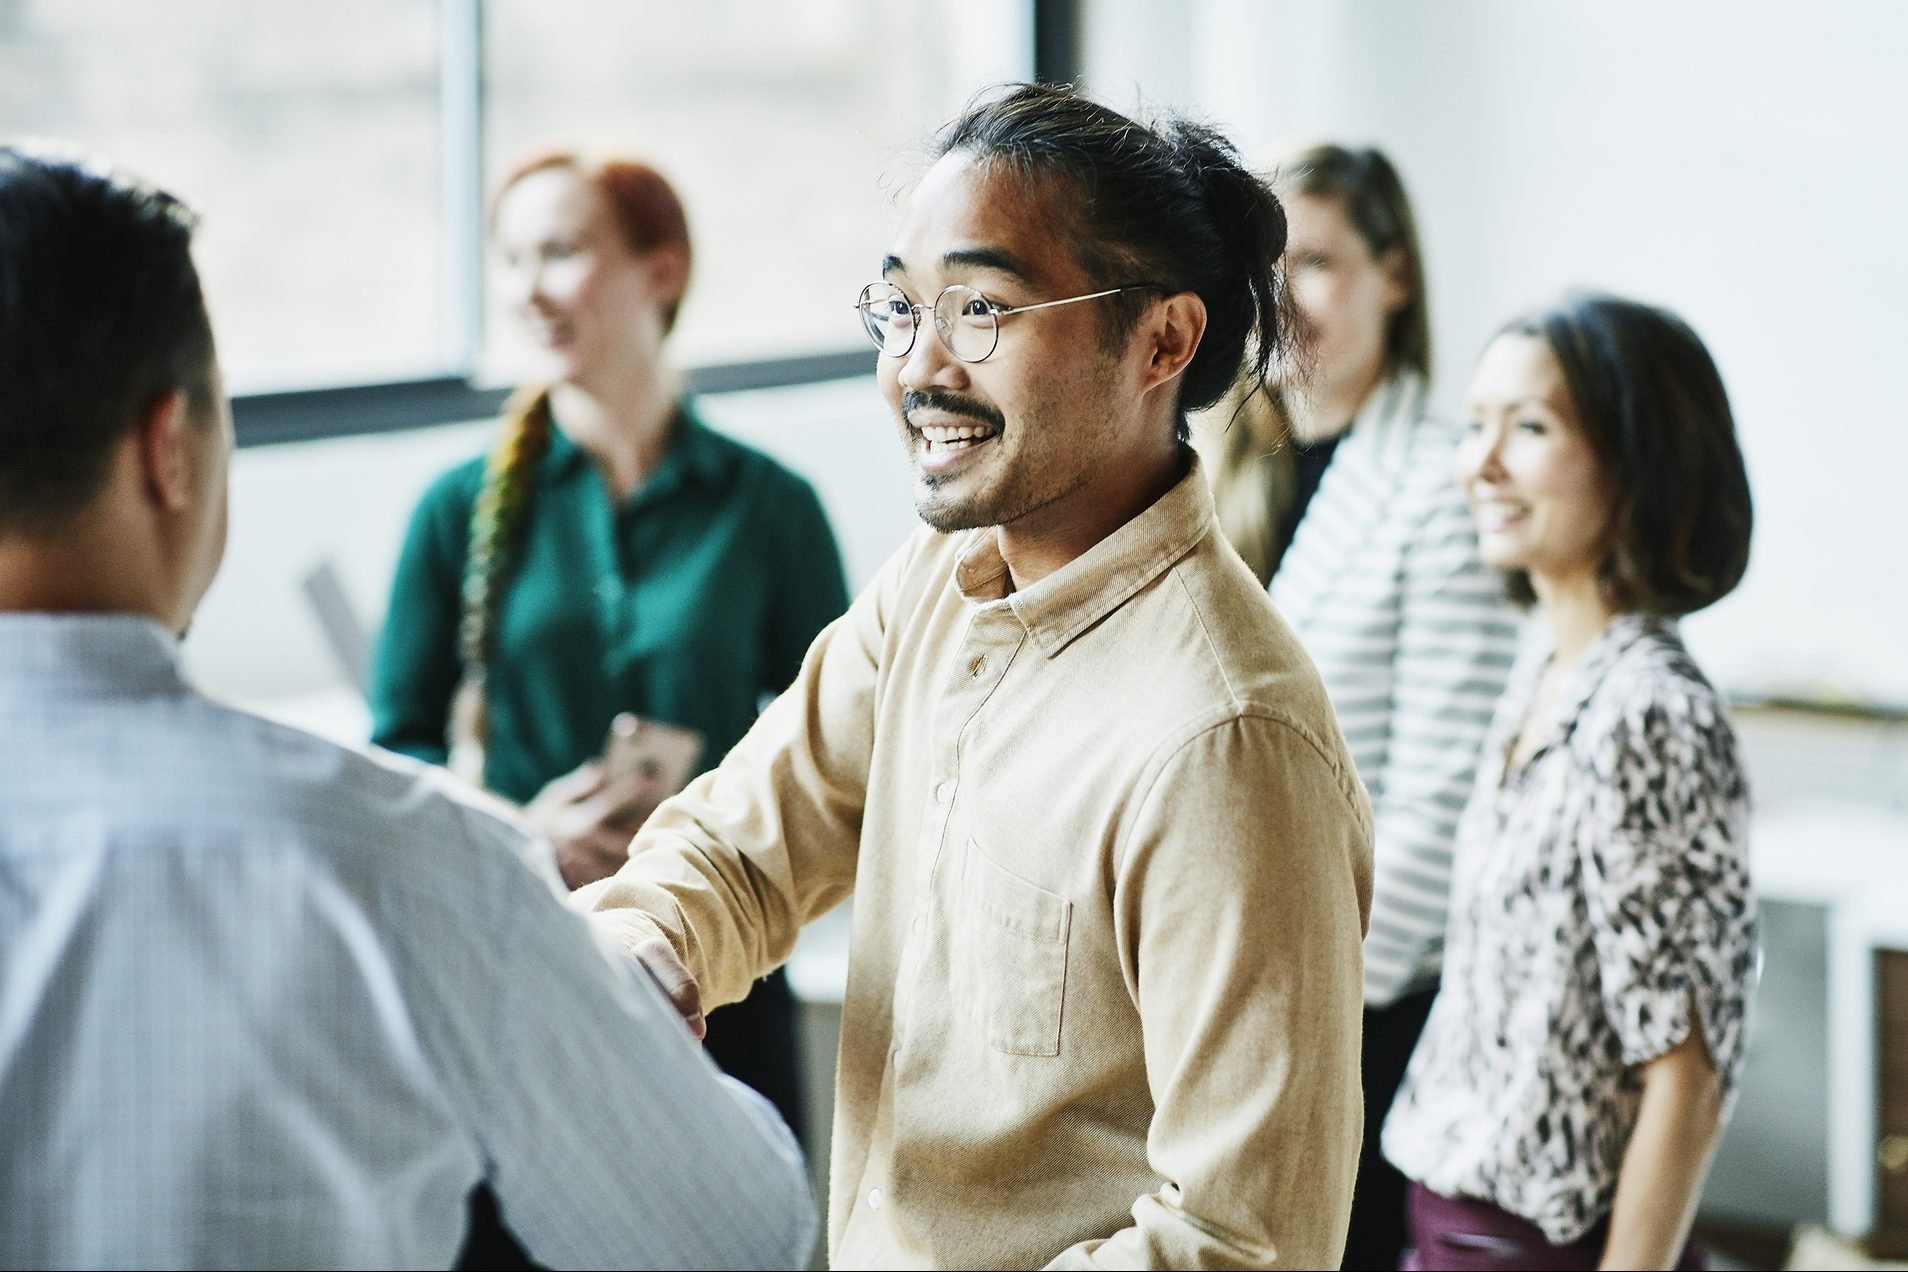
<point x="1462" y="1235"/>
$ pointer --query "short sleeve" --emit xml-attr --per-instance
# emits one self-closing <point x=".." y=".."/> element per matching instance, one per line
<point x="1666" y="879"/>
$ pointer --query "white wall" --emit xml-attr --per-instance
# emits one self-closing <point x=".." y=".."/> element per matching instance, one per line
<point x="1744" y="164"/>
<point x="256" y="639"/>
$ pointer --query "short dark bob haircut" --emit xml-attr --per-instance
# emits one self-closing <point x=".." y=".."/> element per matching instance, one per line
<point x="1651" y="404"/>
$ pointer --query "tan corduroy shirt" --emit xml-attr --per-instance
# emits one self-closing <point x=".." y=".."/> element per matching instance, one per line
<point x="1111" y="869"/>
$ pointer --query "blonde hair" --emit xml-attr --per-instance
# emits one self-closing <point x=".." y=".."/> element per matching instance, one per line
<point x="497" y="522"/>
<point x="1244" y="447"/>
<point x="1242" y="443"/>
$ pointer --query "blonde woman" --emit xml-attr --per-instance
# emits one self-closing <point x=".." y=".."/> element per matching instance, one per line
<point x="1337" y="487"/>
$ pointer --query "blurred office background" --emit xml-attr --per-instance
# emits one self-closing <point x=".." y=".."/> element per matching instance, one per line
<point x="1744" y="163"/>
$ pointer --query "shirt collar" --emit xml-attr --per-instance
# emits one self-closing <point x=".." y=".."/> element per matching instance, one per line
<point x="696" y="454"/>
<point x="1384" y="425"/>
<point x="119" y="653"/>
<point x="1094" y="584"/>
<point x="1617" y="638"/>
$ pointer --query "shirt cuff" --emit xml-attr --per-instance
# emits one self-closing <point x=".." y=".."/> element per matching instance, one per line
<point x="626" y="928"/>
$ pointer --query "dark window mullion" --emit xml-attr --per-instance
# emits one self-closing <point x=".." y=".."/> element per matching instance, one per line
<point x="1056" y="44"/>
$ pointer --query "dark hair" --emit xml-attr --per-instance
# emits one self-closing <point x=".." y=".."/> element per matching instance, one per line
<point x="100" y="313"/>
<point x="647" y="211"/>
<point x="1365" y="184"/>
<point x="1652" y="406"/>
<point x="1171" y="204"/>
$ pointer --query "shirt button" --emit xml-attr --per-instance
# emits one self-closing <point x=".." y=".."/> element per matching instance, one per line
<point x="945" y="791"/>
<point x="874" y="1199"/>
<point x="917" y="924"/>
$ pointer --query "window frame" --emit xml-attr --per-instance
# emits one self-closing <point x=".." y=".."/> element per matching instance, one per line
<point x="454" y="396"/>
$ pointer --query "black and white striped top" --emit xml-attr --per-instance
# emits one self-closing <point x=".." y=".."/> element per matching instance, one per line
<point x="1414" y="638"/>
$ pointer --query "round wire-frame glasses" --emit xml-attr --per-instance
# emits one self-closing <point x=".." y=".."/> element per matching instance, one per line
<point x="967" y="322"/>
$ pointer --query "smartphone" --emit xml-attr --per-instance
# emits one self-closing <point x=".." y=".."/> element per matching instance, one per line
<point x="648" y="752"/>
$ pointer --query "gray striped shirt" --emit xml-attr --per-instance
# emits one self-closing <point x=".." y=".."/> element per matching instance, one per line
<point x="266" y="1001"/>
<point x="1414" y="639"/>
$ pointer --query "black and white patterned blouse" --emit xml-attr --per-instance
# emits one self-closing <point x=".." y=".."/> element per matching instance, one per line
<point x="1597" y="891"/>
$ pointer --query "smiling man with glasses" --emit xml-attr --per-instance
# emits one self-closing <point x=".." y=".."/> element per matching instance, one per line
<point x="1110" y="861"/>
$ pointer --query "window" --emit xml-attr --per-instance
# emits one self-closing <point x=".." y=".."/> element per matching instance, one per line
<point x="306" y="137"/>
<point x="787" y="129"/>
<point x="340" y="154"/>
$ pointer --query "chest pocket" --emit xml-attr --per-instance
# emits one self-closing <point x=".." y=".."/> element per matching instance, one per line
<point x="1009" y="970"/>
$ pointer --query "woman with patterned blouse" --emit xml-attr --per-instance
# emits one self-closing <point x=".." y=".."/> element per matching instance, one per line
<point x="1577" y="1068"/>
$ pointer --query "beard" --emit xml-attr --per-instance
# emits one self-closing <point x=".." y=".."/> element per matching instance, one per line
<point x="1026" y="469"/>
<point x="950" y="516"/>
<point x="936" y="500"/>
<point x="1019" y="486"/>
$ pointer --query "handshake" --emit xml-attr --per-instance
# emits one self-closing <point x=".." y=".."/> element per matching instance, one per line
<point x="590" y="815"/>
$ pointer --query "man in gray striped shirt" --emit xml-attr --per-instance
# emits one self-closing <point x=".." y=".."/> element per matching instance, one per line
<point x="266" y="1001"/>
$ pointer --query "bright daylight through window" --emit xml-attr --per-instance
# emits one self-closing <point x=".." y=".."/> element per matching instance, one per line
<point x="313" y="139"/>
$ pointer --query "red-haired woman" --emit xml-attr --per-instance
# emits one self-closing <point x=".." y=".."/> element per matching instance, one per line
<point x="611" y="554"/>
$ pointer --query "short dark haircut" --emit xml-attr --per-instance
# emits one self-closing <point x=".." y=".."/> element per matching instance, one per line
<point x="1364" y="183"/>
<point x="1170" y="204"/>
<point x="1652" y="406"/>
<point x="100" y="313"/>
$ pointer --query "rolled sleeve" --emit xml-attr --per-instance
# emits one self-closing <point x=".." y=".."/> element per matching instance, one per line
<point x="1670" y="907"/>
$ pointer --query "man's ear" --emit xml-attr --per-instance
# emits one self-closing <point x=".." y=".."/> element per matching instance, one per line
<point x="165" y="438"/>
<point x="1174" y="329"/>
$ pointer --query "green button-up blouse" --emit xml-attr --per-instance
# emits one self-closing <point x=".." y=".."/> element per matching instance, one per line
<point x="690" y="601"/>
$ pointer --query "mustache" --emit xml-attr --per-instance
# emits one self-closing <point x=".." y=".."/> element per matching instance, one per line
<point x="952" y="404"/>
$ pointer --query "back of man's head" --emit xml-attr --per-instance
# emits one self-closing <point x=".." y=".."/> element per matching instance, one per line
<point x="1172" y="204"/>
<point x="100" y="314"/>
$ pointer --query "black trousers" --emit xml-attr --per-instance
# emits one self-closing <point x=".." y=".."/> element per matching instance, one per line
<point x="1378" y="1236"/>
<point x="753" y="1041"/>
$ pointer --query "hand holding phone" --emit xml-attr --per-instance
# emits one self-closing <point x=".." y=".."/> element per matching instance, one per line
<point x="649" y="756"/>
<point x="591" y="815"/>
